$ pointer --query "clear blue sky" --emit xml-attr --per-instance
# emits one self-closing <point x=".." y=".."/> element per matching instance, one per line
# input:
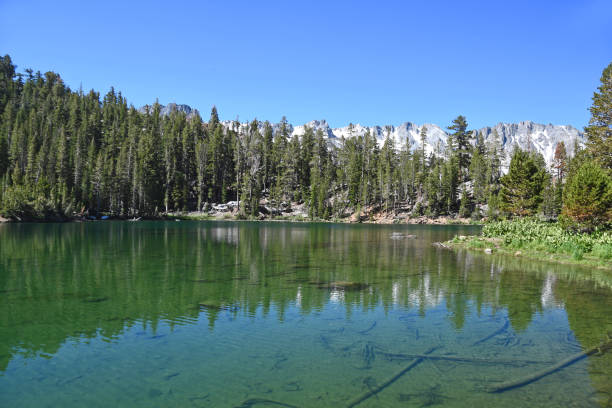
<point x="382" y="62"/>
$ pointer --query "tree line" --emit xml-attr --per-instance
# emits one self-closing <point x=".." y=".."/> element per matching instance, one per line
<point x="65" y="152"/>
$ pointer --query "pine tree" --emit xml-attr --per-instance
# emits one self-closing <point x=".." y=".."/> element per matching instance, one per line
<point x="307" y="145"/>
<point x="478" y="172"/>
<point x="201" y="156"/>
<point x="254" y="166"/>
<point x="290" y="178"/>
<point x="559" y="167"/>
<point x="387" y="172"/>
<point x="268" y="156"/>
<point x="549" y="207"/>
<point x="279" y="148"/>
<point x="213" y="122"/>
<point x="599" y="130"/>
<point x="461" y="137"/>
<point x="493" y="163"/>
<point x="319" y="182"/>
<point x="216" y="163"/>
<point x="465" y="206"/>
<point x="521" y="191"/>
<point x="423" y="135"/>
<point x="7" y="83"/>
<point x="405" y="172"/>
<point x="151" y="163"/>
<point x="4" y="155"/>
<point x="450" y="178"/>
<point x="368" y="178"/>
<point x="354" y="157"/>
<point x="559" y="163"/>
<point x="587" y="199"/>
<point x="433" y="190"/>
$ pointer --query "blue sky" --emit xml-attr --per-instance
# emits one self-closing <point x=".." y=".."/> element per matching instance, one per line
<point x="373" y="63"/>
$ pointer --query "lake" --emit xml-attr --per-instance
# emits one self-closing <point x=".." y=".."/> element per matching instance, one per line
<point x="241" y="314"/>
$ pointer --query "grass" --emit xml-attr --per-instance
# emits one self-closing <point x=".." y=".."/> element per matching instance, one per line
<point x="543" y="240"/>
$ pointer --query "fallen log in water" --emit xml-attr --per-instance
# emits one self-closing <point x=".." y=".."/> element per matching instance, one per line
<point x="472" y="360"/>
<point x="390" y="381"/>
<point x="263" y="401"/>
<point x="495" y="333"/>
<point x="366" y="331"/>
<point x="508" y="385"/>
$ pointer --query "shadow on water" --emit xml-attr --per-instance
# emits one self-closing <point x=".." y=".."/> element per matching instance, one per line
<point x="352" y="302"/>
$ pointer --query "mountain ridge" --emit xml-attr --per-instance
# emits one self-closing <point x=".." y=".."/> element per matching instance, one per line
<point x="528" y="135"/>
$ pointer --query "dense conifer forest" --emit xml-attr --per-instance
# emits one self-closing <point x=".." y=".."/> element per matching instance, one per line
<point x="66" y="153"/>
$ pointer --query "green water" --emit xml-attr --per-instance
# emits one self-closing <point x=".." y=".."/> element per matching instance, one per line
<point x="212" y="314"/>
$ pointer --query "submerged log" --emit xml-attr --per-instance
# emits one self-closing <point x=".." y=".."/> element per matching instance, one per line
<point x="374" y="391"/>
<point x="495" y="333"/>
<point x="263" y="401"/>
<point x="95" y="299"/>
<point x="366" y="331"/>
<point x="458" y="359"/>
<point x="508" y="385"/>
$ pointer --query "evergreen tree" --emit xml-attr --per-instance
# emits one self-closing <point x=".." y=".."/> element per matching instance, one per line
<point x="521" y="191"/>
<point x="201" y="156"/>
<point x="307" y="145"/>
<point x="7" y="81"/>
<point x="559" y="166"/>
<point x="465" y="206"/>
<point x="493" y="163"/>
<point x="588" y="197"/>
<point x="549" y="206"/>
<point x="213" y="122"/>
<point x="279" y="166"/>
<point x="4" y="155"/>
<point x="559" y="163"/>
<point x="461" y="137"/>
<point x="268" y="156"/>
<point x="150" y="158"/>
<point x="290" y="177"/>
<point x="478" y="172"/>
<point x="319" y="178"/>
<point x="423" y="135"/>
<point x="450" y="178"/>
<point x="387" y="173"/>
<point x="599" y="130"/>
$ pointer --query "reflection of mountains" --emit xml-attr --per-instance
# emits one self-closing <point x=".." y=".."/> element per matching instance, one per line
<point x="79" y="281"/>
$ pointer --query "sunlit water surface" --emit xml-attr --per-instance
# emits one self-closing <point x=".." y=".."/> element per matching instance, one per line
<point x="212" y="314"/>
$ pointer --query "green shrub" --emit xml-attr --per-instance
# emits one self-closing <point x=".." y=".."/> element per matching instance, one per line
<point x="476" y="243"/>
<point x="550" y="237"/>
<point x="577" y="255"/>
<point x="602" y="251"/>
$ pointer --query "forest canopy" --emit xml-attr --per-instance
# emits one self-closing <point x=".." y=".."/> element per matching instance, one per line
<point x="65" y="153"/>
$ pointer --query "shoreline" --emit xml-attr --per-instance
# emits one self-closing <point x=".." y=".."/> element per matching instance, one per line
<point x="495" y="246"/>
<point x="235" y="218"/>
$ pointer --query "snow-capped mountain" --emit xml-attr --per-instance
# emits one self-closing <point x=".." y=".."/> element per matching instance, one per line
<point x="526" y="135"/>
<point x="535" y="136"/>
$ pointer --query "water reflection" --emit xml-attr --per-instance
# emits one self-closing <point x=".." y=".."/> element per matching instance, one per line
<point x="75" y="283"/>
